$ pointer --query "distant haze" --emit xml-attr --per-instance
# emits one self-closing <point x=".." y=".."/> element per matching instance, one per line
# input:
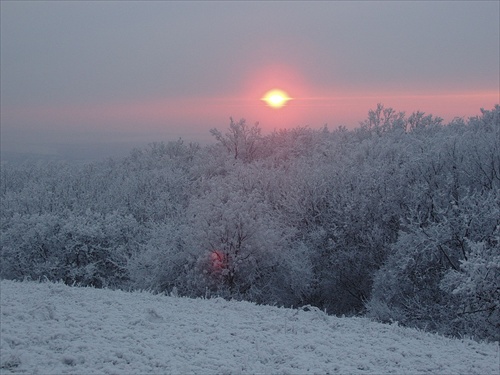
<point x="88" y="78"/>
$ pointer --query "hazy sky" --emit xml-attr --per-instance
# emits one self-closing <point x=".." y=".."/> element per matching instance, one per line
<point x="90" y="73"/>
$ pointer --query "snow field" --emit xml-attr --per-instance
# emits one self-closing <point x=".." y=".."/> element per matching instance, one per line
<point x="55" y="329"/>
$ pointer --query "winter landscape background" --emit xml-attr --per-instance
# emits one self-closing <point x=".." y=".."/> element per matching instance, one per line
<point x="146" y="227"/>
<point x="397" y="220"/>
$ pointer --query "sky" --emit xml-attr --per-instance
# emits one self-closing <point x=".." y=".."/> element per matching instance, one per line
<point x="89" y="77"/>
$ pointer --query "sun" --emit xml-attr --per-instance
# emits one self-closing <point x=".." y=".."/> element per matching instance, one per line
<point x="276" y="98"/>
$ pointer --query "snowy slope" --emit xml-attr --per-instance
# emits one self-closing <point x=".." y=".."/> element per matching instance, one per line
<point x="56" y="329"/>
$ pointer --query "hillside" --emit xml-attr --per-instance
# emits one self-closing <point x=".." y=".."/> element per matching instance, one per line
<point x="56" y="329"/>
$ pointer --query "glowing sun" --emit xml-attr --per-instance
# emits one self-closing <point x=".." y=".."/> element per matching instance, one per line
<point x="276" y="98"/>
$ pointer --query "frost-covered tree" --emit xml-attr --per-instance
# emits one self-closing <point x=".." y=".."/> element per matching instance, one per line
<point x="90" y="249"/>
<point x="240" y="140"/>
<point x="162" y="260"/>
<point x="242" y="250"/>
<point x="475" y="291"/>
<point x="442" y="273"/>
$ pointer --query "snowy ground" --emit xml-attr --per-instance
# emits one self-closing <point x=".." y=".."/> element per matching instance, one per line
<point x="55" y="329"/>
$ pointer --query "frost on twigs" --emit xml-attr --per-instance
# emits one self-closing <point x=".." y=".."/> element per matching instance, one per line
<point x="10" y="361"/>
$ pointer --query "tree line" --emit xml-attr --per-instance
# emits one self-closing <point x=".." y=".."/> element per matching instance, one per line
<point x="398" y="219"/>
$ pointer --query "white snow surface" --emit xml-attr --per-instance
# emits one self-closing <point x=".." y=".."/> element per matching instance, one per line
<point x="53" y="329"/>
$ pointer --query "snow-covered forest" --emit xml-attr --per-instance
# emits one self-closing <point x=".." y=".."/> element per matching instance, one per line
<point x="397" y="220"/>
